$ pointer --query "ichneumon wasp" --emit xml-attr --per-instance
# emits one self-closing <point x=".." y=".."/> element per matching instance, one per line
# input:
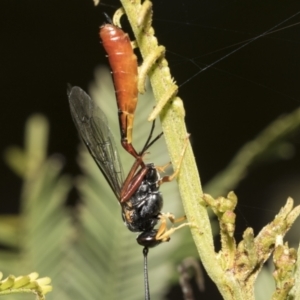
<point x="138" y="194"/>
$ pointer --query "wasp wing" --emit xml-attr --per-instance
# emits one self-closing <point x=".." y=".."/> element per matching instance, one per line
<point x="93" y="129"/>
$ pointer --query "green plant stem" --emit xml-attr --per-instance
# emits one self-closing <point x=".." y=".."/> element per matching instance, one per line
<point x="172" y="118"/>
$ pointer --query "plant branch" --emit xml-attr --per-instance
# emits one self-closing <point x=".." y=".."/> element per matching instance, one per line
<point x="235" y="267"/>
<point x="172" y="118"/>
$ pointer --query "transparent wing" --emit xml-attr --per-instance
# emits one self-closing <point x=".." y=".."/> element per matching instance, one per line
<point x="92" y="126"/>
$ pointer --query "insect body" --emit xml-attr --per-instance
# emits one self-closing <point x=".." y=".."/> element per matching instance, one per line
<point x="124" y="68"/>
<point x="146" y="207"/>
<point x="138" y="194"/>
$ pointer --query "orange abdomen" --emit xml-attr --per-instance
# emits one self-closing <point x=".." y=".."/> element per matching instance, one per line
<point x="123" y="63"/>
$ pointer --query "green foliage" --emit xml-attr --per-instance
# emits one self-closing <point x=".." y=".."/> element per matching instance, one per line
<point x="25" y="284"/>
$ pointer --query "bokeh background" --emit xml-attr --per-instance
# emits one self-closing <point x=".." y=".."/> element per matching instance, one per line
<point x="47" y="44"/>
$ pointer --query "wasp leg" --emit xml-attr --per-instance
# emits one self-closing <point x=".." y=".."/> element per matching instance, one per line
<point x="171" y="218"/>
<point x="161" y="169"/>
<point x="163" y="233"/>
<point x="176" y="172"/>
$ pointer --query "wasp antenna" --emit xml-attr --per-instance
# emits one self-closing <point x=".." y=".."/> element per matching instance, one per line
<point x="146" y="280"/>
<point x="108" y="18"/>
